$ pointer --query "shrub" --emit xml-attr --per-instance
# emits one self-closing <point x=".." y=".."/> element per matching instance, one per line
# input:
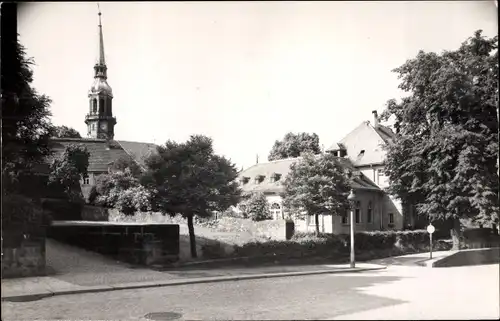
<point x="257" y="207"/>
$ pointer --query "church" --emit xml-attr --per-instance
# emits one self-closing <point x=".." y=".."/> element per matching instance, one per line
<point x="100" y="141"/>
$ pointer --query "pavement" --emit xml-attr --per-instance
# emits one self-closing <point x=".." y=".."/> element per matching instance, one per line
<point x="73" y="270"/>
<point x="398" y="292"/>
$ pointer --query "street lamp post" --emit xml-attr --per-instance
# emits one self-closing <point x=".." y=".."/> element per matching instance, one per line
<point x="351" y="198"/>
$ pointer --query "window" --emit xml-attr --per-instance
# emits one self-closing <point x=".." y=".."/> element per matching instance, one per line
<point x="86" y="180"/>
<point x="312" y="220"/>
<point x="391" y="218"/>
<point x="275" y="177"/>
<point x="276" y="211"/>
<point x="259" y="179"/>
<point x="357" y="212"/>
<point x="345" y="218"/>
<point x="94" y="105"/>
<point x="101" y="106"/>
<point x="369" y="213"/>
<point x="93" y="126"/>
<point x="245" y="180"/>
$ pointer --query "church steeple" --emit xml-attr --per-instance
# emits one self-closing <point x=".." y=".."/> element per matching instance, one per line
<point x="100" y="121"/>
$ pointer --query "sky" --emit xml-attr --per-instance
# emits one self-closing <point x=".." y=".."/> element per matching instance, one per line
<point x="243" y="73"/>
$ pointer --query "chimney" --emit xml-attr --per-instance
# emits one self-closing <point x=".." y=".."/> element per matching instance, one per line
<point x="257" y="159"/>
<point x="375" y="118"/>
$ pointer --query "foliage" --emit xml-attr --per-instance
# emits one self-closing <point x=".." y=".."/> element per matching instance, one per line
<point x="369" y="245"/>
<point x="257" y="208"/>
<point x="293" y="145"/>
<point x="65" y="132"/>
<point x="126" y="162"/>
<point x="121" y="190"/>
<point x="316" y="185"/>
<point x="25" y="121"/>
<point x="67" y="171"/>
<point x="192" y="180"/>
<point x="444" y="157"/>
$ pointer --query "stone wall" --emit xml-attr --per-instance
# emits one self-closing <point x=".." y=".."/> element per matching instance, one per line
<point x="136" y="243"/>
<point x="25" y="259"/>
<point x="95" y="213"/>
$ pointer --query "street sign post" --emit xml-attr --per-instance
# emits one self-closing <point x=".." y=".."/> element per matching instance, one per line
<point x="430" y="230"/>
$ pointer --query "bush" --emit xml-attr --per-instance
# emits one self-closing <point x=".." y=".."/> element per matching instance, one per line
<point x="257" y="207"/>
<point x="369" y="245"/>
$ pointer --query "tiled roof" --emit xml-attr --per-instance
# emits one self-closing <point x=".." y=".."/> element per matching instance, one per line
<point x="138" y="151"/>
<point x="102" y="152"/>
<point x="386" y="133"/>
<point x="358" y="181"/>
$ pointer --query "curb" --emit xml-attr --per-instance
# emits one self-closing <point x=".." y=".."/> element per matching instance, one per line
<point x="143" y="285"/>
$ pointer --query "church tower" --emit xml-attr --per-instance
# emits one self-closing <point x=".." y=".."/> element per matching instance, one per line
<point x="100" y="121"/>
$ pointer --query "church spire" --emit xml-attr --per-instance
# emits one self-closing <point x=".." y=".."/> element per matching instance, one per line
<point x="100" y="66"/>
<point x="101" y="60"/>
<point x="100" y="120"/>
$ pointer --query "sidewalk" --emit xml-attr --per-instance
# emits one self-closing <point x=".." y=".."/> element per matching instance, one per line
<point x="74" y="270"/>
<point x="26" y="289"/>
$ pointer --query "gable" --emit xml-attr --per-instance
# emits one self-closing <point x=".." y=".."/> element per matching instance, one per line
<point x="365" y="145"/>
<point x="138" y="151"/>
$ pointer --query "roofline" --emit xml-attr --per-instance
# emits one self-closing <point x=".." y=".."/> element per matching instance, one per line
<point x="132" y="157"/>
<point x="289" y="159"/>
<point x="62" y="139"/>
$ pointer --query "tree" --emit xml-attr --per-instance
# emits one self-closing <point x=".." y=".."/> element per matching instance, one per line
<point x="25" y="121"/>
<point x="121" y="190"/>
<point x="257" y="207"/>
<point x="67" y="171"/>
<point x="293" y="145"/>
<point x="65" y="132"/>
<point x="445" y="153"/>
<point x="317" y="185"/>
<point x="125" y="162"/>
<point x="191" y="180"/>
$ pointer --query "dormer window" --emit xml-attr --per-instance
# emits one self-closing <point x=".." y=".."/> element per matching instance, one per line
<point x="361" y="153"/>
<point x="244" y="180"/>
<point x="259" y="179"/>
<point x="275" y="177"/>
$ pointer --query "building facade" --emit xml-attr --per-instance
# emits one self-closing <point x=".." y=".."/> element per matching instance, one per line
<point x="267" y="178"/>
<point x="364" y="147"/>
<point x="362" y="153"/>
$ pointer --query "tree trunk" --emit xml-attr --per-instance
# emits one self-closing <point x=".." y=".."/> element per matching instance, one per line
<point x="316" y="219"/>
<point x="455" y="234"/>
<point x="192" y="237"/>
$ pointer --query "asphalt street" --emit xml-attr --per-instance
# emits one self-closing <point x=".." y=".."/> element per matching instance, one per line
<point x="379" y="294"/>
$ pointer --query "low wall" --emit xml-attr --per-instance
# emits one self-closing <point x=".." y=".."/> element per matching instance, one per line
<point x="136" y="243"/>
<point x="95" y="213"/>
<point x="27" y="258"/>
<point x="470" y="257"/>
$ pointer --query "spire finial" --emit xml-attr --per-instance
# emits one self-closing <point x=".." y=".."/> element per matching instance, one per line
<point x="101" y="60"/>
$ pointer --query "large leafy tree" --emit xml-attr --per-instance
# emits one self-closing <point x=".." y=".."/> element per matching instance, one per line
<point x="65" y="132"/>
<point x="26" y="125"/>
<point x="191" y="180"/>
<point x="67" y="171"/>
<point x="316" y="185"/>
<point x="445" y="153"/>
<point x="293" y="145"/>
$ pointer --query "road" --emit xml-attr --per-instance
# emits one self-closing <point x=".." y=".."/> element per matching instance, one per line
<point x="395" y="293"/>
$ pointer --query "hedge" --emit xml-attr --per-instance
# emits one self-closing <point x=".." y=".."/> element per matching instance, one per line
<point x="367" y="244"/>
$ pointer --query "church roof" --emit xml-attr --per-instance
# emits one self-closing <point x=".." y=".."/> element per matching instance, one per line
<point x="358" y="180"/>
<point x="103" y="152"/>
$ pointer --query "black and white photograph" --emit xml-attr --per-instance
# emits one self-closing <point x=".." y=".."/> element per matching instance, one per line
<point x="250" y="160"/>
